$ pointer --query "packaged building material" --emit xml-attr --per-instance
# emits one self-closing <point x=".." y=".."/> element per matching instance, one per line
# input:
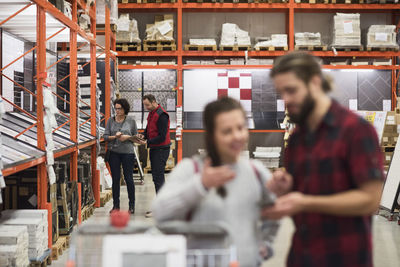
<point x="276" y="40"/>
<point x="162" y="29"/>
<point x="307" y="38"/>
<point x="346" y="31"/>
<point x="269" y="156"/>
<point x="202" y="42"/>
<point x="232" y="35"/>
<point x="101" y="11"/>
<point x="14" y="242"/>
<point x="127" y="30"/>
<point x="36" y="224"/>
<point x="382" y="36"/>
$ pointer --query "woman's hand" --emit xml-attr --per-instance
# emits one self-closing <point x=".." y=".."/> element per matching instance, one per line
<point x="280" y="183"/>
<point x="118" y="134"/>
<point x="215" y="176"/>
<point x="124" y="137"/>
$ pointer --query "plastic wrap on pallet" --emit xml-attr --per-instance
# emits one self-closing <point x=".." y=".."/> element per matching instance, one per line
<point x="101" y="11"/>
<point x="233" y="35"/>
<point x="382" y="36"/>
<point x="161" y="30"/>
<point x="67" y="9"/>
<point x="276" y="40"/>
<point x="346" y="30"/>
<point x="307" y="38"/>
<point x="202" y="42"/>
<point x="127" y="30"/>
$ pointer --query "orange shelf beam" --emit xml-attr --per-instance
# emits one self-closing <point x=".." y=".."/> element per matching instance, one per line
<point x="357" y="7"/>
<point x="148" y="54"/>
<point x="250" y="130"/>
<point x="233" y="53"/>
<point x="236" y="7"/>
<point x="188" y="67"/>
<point x="23" y="166"/>
<point x="133" y="67"/>
<point x="148" y="6"/>
<point x="367" y="67"/>
<point x="87" y="144"/>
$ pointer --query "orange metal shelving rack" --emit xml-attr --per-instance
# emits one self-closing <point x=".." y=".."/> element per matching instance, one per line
<point x="43" y="7"/>
<point x="289" y="9"/>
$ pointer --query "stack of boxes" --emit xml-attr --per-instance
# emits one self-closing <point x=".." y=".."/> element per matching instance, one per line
<point x="232" y="35"/>
<point x="307" y="38"/>
<point x="127" y="30"/>
<point x="276" y="40"/>
<point x="162" y="29"/>
<point x="269" y="156"/>
<point x="382" y="36"/>
<point x="346" y="30"/>
<point x="14" y="242"/>
<point x="36" y="223"/>
<point x="390" y="136"/>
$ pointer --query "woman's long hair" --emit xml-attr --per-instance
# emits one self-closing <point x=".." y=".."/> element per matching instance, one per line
<point x="211" y="111"/>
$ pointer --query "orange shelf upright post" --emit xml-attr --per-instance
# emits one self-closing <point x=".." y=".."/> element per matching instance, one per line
<point x="107" y="97"/>
<point x="41" y="69"/>
<point x="93" y="115"/>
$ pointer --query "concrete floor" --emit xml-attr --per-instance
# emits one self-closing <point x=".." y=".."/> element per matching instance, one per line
<point x="386" y="234"/>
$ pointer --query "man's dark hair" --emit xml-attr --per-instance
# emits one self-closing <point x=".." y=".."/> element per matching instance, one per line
<point x="124" y="104"/>
<point x="303" y="65"/>
<point x="150" y="97"/>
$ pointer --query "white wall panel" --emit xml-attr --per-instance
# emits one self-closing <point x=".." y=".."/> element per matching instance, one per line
<point x="199" y="88"/>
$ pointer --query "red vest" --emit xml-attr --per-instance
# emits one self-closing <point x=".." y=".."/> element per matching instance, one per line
<point x="152" y="130"/>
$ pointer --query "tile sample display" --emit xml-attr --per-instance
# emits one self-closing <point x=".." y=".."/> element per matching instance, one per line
<point x="159" y="80"/>
<point x="134" y="99"/>
<point x="130" y="80"/>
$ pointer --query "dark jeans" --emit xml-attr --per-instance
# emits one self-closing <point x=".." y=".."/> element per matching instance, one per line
<point x="127" y="161"/>
<point x="158" y="159"/>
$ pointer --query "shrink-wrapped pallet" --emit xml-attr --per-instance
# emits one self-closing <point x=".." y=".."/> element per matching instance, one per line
<point x="232" y="35"/>
<point x="382" y="36"/>
<point x="307" y="38"/>
<point x="127" y="30"/>
<point x="346" y="31"/>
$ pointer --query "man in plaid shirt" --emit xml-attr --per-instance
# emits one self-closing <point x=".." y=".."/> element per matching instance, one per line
<point x="334" y="171"/>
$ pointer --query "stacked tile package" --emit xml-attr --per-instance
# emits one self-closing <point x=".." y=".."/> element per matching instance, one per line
<point x="202" y="42"/>
<point x="276" y="40"/>
<point x="14" y="246"/>
<point x="101" y="11"/>
<point x="307" y="38"/>
<point x="346" y="30"/>
<point x="36" y="223"/>
<point x="232" y="35"/>
<point x="382" y="36"/>
<point x="127" y="30"/>
<point x="162" y="29"/>
<point x="269" y="156"/>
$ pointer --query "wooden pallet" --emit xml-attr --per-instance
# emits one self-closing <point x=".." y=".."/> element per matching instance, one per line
<point x="87" y="212"/>
<point x="271" y="48"/>
<point x="382" y="49"/>
<point x="347" y="1"/>
<point x="311" y="47"/>
<point x="189" y="47"/>
<point x="102" y="27"/>
<point x="58" y="248"/>
<point x="105" y="197"/>
<point x="159" y="47"/>
<point x="349" y="48"/>
<point x="129" y="1"/>
<point x="42" y="261"/>
<point x="235" y="47"/>
<point x="199" y="1"/>
<point x="158" y="1"/>
<point x="159" y="42"/>
<point x="128" y="47"/>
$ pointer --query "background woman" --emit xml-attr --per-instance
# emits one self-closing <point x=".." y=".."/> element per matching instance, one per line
<point x="224" y="187"/>
<point x="120" y="133"/>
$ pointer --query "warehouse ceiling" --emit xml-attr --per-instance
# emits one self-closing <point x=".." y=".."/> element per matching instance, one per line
<point x="23" y="25"/>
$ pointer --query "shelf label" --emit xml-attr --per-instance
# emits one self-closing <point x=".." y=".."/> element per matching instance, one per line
<point x="280" y="105"/>
<point x="381" y="36"/>
<point x="387" y="105"/>
<point x="348" y="27"/>
<point x="353" y="104"/>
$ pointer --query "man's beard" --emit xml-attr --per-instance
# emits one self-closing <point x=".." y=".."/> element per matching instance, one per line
<point x="306" y="108"/>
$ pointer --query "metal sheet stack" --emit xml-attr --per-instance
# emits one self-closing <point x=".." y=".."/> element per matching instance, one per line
<point x="346" y="30"/>
<point x="307" y="38"/>
<point x="14" y="246"/>
<point x="382" y="36"/>
<point x="36" y="223"/>
<point x="269" y="156"/>
<point x="233" y="35"/>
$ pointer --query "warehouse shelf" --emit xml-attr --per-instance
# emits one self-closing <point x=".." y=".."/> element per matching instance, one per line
<point x="250" y="130"/>
<point x="38" y="21"/>
<point x="289" y="9"/>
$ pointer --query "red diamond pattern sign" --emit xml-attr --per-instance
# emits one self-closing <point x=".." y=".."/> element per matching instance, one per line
<point x="236" y="84"/>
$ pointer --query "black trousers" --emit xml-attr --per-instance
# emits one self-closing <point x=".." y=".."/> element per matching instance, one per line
<point x="158" y="160"/>
<point x="127" y="161"/>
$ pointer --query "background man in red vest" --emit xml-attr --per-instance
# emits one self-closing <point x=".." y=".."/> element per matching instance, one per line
<point x="158" y="140"/>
